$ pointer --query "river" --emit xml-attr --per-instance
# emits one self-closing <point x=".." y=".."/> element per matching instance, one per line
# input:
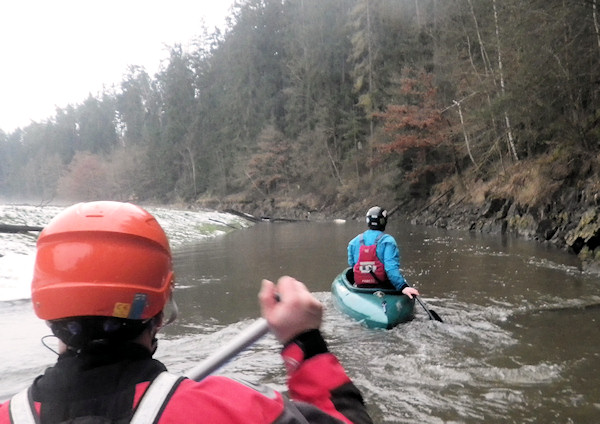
<point x="519" y="342"/>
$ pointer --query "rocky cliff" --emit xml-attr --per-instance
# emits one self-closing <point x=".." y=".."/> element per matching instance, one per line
<point x="553" y="200"/>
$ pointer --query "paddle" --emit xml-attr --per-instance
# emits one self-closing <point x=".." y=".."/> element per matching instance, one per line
<point x="223" y="355"/>
<point x="432" y="314"/>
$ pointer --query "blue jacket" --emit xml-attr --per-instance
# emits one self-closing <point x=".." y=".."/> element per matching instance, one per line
<point x="387" y="252"/>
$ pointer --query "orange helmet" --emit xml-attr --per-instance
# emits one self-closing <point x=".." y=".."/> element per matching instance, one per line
<point x="103" y="258"/>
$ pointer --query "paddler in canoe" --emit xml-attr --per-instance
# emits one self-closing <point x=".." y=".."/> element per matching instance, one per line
<point x="103" y="281"/>
<point x="374" y="257"/>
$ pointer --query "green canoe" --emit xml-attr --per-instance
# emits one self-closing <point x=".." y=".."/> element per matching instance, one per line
<point x="373" y="307"/>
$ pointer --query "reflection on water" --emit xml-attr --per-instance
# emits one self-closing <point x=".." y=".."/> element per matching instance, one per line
<point x="519" y="342"/>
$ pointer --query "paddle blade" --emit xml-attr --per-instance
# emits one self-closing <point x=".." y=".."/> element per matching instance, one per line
<point x="432" y="314"/>
<point x="435" y="315"/>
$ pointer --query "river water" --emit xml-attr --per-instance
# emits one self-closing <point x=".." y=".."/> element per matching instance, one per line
<point x="519" y="342"/>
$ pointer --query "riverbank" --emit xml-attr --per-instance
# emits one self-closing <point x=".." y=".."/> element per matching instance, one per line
<point x="576" y="230"/>
<point x="553" y="200"/>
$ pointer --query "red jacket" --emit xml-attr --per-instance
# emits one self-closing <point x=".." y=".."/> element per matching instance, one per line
<point x="320" y="389"/>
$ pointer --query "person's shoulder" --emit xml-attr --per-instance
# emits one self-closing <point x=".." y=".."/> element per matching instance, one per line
<point x="221" y="399"/>
<point x="4" y="412"/>
<point x="214" y="384"/>
<point x="387" y="238"/>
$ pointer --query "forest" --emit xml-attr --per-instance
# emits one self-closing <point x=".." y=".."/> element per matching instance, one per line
<point x="322" y="106"/>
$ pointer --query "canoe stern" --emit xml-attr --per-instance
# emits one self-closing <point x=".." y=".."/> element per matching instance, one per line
<point x="375" y="308"/>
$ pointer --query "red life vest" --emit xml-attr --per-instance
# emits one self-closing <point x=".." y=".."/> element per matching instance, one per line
<point x="368" y="270"/>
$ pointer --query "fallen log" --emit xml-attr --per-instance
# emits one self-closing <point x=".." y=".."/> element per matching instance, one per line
<point x="8" y="228"/>
<point x="437" y="199"/>
<point x="223" y="223"/>
<point x="262" y="218"/>
<point x="243" y="215"/>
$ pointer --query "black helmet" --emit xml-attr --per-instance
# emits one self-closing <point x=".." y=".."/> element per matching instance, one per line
<point x="376" y="218"/>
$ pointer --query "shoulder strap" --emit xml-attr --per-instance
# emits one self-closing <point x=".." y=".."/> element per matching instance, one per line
<point x="379" y="237"/>
<point x="155" y="398"/>
<point x="22" y="409"/>
<point x="362" y="239"/>
<point x="149" y="410"/>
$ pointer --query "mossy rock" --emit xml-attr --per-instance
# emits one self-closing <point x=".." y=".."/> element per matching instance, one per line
<point x="587" y="232"/>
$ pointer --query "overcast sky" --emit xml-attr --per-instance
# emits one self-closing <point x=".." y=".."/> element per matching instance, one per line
<point x="56" y="52"/>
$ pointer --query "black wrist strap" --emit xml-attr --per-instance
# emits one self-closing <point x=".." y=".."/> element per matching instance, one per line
<point x="311" y="342"/>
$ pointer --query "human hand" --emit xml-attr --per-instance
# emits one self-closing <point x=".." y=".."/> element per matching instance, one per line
<point x="410" y="291"/>
<point x="289" y="308"/>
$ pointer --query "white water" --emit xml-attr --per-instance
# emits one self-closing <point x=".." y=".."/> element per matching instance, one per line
<point x="17" y="250"/>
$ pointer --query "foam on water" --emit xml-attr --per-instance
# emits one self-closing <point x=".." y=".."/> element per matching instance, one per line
<point x="15" y="275"/>
<point x="17" y="250"/>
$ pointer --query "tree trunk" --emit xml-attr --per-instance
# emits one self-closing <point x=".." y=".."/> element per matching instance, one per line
<point x="595" y="19"/>
<point x="510" y="140"/>
<point x="462" y="124"/>
<point x="484" y="57"/>
<point x="370" y="73"/>
<point x="7" y="228"/>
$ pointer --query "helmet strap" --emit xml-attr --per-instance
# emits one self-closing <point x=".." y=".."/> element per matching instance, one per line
<point x="173" y="311"/>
